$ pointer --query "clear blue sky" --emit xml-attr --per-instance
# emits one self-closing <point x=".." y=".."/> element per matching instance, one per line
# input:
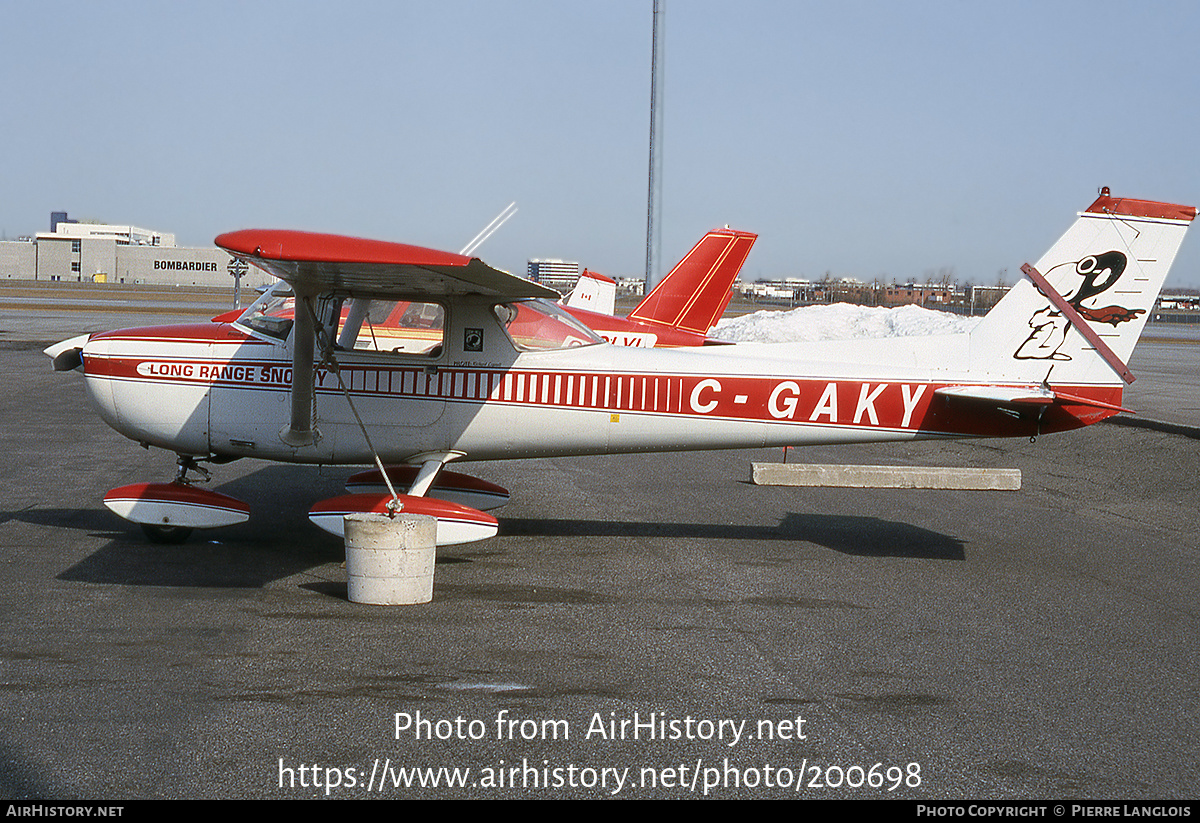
<point x="859" y="138"/>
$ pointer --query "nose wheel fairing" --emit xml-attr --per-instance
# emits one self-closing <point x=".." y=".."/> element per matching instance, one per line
<point x="175" y="505"/>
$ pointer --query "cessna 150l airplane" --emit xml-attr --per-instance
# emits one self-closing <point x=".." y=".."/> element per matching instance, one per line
<point x="474" y="365"/>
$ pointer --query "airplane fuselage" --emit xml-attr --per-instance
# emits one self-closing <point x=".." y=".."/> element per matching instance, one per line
<point x="623" y="332"/>
<point x="221" y="389"/>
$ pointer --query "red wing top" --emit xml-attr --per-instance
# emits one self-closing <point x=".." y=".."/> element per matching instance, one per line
<point x="321" y="262"/>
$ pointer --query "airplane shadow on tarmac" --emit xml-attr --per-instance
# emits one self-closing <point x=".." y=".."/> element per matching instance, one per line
<point x="244" y="557"/>
<point x="278" y="541"/>
<point x="233" y="557"/>
<point x="860" y="536"/>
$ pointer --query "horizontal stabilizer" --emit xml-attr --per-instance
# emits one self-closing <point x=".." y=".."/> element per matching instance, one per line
<point x="1001" y="395"/>
<point x="1029" y="396"/>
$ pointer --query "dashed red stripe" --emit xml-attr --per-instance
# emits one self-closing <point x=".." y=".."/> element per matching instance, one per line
<point x="773" y="399"/>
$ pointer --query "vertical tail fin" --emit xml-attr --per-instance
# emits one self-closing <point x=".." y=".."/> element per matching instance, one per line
<point x="693" y="296"/>
<point x="1108" y="267"/>
<point x="594" y="292"/>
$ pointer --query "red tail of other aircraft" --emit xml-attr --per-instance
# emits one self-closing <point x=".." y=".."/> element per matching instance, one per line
<point x="693" y="296"/>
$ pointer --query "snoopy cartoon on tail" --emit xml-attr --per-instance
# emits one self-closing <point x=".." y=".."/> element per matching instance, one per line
<point x="1098" y="273"/>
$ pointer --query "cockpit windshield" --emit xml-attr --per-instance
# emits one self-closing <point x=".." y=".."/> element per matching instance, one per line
<point x="272" y="313"/>
<point x="539" y="325"/>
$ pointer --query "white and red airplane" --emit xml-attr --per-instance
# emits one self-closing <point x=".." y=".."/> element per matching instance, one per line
<point x="479" y="367"/>
<point x="681" y="309"/>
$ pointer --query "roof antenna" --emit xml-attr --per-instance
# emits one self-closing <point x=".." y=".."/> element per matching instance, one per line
<point x="490" y="228"/>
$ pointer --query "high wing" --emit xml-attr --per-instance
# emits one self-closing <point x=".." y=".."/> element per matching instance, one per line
<point x="313" y="263"/>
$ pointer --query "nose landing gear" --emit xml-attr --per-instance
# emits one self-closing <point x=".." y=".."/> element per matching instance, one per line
<point x="168" y="512"/>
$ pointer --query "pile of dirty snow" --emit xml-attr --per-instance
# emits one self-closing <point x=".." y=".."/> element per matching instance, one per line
<point x="839" y="321"/>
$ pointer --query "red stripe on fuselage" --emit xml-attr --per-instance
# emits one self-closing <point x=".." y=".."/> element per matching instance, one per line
<point x="183" y="333"/>
<point x="898" y="406"/>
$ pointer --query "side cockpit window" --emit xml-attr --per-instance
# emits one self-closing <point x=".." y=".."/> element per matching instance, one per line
<point x="357" y="324"/>
<point x="395" y="326"/>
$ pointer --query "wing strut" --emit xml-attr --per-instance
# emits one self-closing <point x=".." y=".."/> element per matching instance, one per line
<point x="1078" y="322"/>
<point x="327" y="348"/>
<point x="301" y="432"/>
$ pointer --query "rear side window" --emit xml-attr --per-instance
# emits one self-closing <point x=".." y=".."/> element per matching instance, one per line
<point x="538" y="325"/>
<point x="399" y="326"/>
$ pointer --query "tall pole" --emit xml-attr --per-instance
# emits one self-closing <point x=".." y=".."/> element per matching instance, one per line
<point x="654" y="198"/>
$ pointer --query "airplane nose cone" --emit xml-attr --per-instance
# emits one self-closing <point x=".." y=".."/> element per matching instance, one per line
<point x="68" y="354"/>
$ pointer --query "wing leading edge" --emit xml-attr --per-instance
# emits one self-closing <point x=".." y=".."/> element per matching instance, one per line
<point x="314" y="263"/>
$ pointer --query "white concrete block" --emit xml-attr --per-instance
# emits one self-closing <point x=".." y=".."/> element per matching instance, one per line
<point x="885" y="477"/>
<point x="390" y="560"/>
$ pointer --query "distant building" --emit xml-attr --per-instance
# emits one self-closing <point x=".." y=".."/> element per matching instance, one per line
<point x="797" y="290"/>
<point x="18" y="259"/>
<point x="125" y="235"/>
<point x="631" y="285"/>
<point x="1178" y="302"/>
<point x="917" y="294"/>
<point x="561" y="275"/>
<point x="982" y="298"/>
<point x="103" y="253"/>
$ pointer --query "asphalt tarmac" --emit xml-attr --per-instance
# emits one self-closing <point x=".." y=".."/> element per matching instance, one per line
<point x="649" y="626"/>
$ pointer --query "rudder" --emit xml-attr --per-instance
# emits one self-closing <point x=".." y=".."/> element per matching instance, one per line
<point x="593" y="292"/>
<point x="1109" y="267"/>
